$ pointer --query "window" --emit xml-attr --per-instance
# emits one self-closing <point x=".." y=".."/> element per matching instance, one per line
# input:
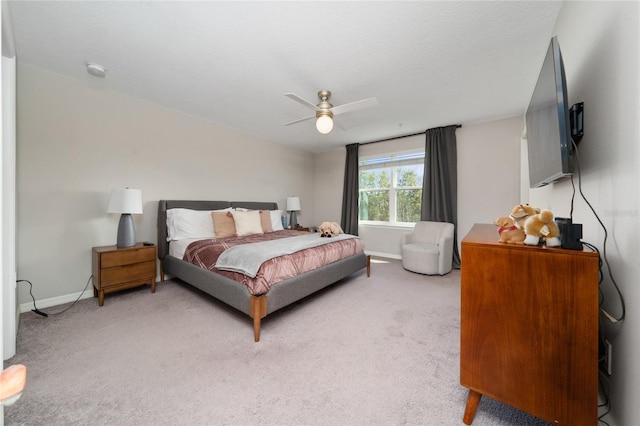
<point x="391" y="188"/>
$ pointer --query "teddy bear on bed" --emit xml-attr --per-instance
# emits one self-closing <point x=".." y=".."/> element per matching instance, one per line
<point x="542" y="225"/>
<point x="329" y="229"/>
<point x="508" y="231"/>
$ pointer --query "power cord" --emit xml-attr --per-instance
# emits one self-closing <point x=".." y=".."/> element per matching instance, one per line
<point x="610" y="317"/>
<point x="603" y="375"/>
<point x="605" y="393"/>
<point x="46" y="314"/>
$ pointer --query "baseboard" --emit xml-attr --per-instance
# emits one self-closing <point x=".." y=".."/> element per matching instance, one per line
<point x="55" y="301"/>
<point x="61" y="300"/>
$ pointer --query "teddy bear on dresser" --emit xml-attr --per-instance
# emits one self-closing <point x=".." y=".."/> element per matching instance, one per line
<point x="542" y="225"/>
<point x="536" y="224"/>
<point x="520" y="213"/>
<point x="508" y="231"/>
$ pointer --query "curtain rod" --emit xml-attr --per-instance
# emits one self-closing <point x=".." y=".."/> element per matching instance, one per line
<point x="400" y="137"/>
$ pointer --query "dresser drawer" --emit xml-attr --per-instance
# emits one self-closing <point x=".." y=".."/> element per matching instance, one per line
<point x="126" y="257"/>
<point x="122" y="274"/>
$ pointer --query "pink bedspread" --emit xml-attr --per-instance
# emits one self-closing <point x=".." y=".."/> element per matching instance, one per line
<point x="204" y="253"/>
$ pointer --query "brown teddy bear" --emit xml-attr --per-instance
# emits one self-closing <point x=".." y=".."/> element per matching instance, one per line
<point x="543" y="226"/>
<point x="508" y="231"/>
<point x="330" y="229"/>
<point x="520" y="213"/>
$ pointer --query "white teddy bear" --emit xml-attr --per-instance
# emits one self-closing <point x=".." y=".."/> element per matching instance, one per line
<point x="330" y="229"/>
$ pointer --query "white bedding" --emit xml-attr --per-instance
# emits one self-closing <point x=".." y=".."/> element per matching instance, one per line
<point x="247" y="258"/>
<point x="178" y="247"/>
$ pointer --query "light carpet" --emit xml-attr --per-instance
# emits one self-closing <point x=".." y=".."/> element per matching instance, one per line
<point x="367" y="351"/>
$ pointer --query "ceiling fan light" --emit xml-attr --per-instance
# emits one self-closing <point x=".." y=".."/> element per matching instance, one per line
<point x="324" y="124"/>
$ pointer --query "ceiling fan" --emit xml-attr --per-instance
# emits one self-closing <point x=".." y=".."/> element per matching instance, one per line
<point x="325" y="111"/>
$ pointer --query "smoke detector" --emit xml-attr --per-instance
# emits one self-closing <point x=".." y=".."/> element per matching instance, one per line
<point x="96" y="70"/>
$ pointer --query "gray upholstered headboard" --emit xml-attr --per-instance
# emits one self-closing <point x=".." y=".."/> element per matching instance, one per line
<point x="164" y="205"/>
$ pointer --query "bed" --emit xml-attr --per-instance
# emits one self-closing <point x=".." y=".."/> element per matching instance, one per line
<point x="224" y="286"/>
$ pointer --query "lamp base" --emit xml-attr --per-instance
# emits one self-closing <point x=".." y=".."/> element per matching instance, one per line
<point x="293" y="222"/>
<point x="126" y="232"/>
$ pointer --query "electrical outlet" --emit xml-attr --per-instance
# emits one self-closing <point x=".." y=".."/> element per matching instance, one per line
<point x="608" y="355"/>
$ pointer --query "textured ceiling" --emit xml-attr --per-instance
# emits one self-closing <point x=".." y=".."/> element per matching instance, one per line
<point x="428" y="63"/>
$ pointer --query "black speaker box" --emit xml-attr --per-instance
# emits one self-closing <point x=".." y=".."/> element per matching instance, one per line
<point x="570" y="233"/>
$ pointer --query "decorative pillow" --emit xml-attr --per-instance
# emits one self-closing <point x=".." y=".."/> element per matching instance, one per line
<point x="223" y="224"/>
<point x="276" y="220"/>
<point x="247" y="223"/>
<point x="265" y="221"/>
<point x="188" y="223"/>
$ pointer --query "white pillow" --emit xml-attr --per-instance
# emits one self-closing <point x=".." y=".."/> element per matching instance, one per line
<point x="276" y="220"/>
<point x="247" y="223"/>
<point x="188" y="223"/>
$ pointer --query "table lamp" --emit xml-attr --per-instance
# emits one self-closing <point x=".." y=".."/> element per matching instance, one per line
<point x="293" y="205"/>
<point x="125" y="201"/>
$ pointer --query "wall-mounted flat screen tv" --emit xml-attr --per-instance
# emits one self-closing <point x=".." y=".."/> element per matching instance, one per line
<point x="548" y="124"/>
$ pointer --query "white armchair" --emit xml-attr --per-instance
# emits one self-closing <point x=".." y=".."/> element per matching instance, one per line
<point x="429" y="248"/>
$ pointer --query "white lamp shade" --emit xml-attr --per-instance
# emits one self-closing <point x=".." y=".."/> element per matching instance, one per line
<point x="324" y="124"/>
<point x="293" y="204"/>
<point x="125" y="200"/>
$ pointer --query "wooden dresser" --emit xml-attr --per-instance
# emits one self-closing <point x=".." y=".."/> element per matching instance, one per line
<point x="116" y="268"/>
<point x="529" y="328"/>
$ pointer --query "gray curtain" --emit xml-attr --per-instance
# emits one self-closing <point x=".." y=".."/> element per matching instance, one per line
<point x="350" y="193"/>
<point x="440" y="185"/>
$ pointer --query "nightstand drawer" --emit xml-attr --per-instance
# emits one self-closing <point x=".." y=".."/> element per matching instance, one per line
<point x="126" y="273"/>
<point x="126" y="257"/>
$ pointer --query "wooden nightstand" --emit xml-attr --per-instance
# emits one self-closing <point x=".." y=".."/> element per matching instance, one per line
<point x="116" y="268"/>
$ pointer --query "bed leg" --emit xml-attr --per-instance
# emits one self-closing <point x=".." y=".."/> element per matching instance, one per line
<point x="368" y="266"/>
<point x="161" y="272"/>
<point x="258" y="309"/>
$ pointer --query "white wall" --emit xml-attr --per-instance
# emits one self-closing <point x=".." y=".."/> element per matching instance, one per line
<point x="488" y="171"/>
<point x="488" y="179"/>
<point x="9" y="317"/>
<point x="600" y="47"/>
<point x="77" y="142"/>
<point x="328" y="185"/>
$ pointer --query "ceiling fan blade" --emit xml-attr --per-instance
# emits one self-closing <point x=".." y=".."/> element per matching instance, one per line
<point x="304" y="102"/>
<point x="353" y="106"/>
<point x="338" y="124"/>
<point x="299" y="120"/>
